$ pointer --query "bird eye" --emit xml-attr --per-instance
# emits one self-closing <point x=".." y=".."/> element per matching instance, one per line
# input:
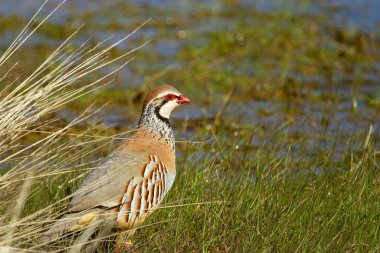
<point x="170" y="97"/>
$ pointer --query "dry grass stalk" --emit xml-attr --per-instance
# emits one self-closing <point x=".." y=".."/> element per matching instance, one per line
<point x="22" y="111"/>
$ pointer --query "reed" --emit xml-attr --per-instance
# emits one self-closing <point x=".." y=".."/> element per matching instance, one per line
<point x="27" y="105"/>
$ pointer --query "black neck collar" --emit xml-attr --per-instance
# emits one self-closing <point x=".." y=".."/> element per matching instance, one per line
<point x="153" y="112"/>
<point x="159" y="116"/>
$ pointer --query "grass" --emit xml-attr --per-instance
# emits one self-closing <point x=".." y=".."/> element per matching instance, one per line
<point x="220" y="203"/>
<point x="27" y="107"/>
<point x="240" y="207"/>
<point x="300" y="183"/>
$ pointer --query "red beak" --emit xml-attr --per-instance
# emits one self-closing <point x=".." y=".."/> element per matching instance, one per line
<point x="183" y="100"/>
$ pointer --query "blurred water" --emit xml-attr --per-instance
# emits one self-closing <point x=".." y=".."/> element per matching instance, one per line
<point x="103" y="19"/>
<point x="362" y="14"/>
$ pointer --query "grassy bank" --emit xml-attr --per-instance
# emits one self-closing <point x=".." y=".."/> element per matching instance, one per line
<point x="223" y="203"/>
<point x="262" y="205"/>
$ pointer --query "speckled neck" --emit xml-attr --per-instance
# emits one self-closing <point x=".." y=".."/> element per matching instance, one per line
<point x="157" y="125"/>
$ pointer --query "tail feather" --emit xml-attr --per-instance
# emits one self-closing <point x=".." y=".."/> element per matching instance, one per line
<point x="71" y="223"/>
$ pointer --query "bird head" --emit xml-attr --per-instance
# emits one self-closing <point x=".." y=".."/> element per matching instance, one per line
<point x="163" y="100"/>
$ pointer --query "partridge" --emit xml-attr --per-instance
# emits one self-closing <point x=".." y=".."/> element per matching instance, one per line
<point x="132" y="182"/>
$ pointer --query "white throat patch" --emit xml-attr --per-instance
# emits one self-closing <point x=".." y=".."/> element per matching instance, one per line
<point x="167" y="108"/>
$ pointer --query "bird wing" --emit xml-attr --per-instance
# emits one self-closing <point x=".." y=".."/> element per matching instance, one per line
<point x="106" y="183"/>
<point x="121" y="177"/>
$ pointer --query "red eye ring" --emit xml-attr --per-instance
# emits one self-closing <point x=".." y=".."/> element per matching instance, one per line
<point x="170" y="97"/>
